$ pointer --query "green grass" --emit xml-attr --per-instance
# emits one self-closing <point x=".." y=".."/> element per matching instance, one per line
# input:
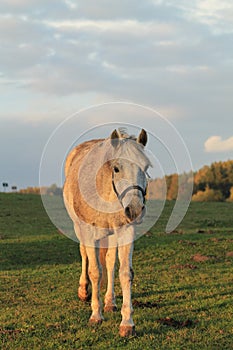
<point x="179" y="303"/>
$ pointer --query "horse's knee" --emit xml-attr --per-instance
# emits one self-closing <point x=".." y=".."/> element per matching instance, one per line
<point x="95" y="274"/>
<point x="126" y="273"/>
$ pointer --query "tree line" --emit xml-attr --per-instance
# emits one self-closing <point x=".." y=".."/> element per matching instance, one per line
<point x="214" y="182"/>
<point x="51" y="190"/>
<point x="211" y="183"/>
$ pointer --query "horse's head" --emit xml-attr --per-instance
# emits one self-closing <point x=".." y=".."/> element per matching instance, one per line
<point x="129" y="168"/>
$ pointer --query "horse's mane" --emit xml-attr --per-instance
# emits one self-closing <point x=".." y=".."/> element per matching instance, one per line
<point x="124" y="134"/>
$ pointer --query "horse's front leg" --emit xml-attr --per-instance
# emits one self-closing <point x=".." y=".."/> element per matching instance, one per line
<point x="95" y="273"/>
<point x="125" y="253"/>
<point x="109" y="300"/>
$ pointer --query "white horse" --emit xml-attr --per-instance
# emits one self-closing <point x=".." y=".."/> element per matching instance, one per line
<point x="104" y="194"/>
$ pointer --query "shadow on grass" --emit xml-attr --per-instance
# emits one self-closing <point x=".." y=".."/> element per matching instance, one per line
<point x="20" y="255"/>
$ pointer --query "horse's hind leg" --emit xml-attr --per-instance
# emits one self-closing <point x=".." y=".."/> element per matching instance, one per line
<point x="95" y="273"/>
<point x="84" y="293"/>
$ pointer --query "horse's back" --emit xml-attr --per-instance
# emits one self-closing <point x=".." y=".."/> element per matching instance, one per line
<point x="77" y="153"/>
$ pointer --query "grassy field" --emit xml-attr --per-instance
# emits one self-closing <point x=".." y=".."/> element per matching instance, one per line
<point x="182" y="291"/>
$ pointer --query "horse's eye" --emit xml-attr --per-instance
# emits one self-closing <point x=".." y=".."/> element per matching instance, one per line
<point x="116" y="169"/>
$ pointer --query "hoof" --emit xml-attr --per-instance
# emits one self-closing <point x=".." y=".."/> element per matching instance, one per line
<point x="127" y="331"/>
<point x="84" y="295"/>
<point x="95" y="322"/>
<point x="84" y="298"/>
<point x="110" y="308"/>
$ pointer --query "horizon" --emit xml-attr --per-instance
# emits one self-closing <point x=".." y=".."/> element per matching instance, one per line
<point x="9" y="186"/>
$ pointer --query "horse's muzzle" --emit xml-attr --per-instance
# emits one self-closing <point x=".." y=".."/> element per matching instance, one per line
<point x="134" y="215"/>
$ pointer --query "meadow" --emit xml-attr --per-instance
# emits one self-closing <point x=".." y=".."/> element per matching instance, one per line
<point x="182" y="290"/>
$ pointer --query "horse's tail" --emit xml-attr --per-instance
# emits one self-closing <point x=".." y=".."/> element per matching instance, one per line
<point x="102" y="257"/>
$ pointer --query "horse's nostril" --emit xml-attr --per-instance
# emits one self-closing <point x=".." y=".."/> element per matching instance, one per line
<point x="128" y="212"/>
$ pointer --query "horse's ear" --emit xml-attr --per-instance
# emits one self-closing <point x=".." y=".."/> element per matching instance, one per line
<point x="115" y="138"/>
<point x="142" y="138"/>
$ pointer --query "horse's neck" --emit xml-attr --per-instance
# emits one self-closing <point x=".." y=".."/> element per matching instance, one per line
<point x="104" y="183"/>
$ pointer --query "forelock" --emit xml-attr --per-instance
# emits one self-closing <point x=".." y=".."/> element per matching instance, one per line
<point x="132" y="150"/>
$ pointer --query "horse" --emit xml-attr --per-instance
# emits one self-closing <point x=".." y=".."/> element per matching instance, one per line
<point x="105" y="196"/>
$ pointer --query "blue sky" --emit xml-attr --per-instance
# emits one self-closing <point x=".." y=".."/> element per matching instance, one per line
<point x="58" y="57"/>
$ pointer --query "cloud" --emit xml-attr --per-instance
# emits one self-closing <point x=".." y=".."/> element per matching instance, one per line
<point x="215" y="14"/>
<point x="129" y="26"/>
<point x="216" y="144"/>
<point x="151" y="53"/>
<point x="71" y="9"/>
<point x="75" y="50"/>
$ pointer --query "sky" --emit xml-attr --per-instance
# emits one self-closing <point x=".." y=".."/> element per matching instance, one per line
<point x="60" y="57"/>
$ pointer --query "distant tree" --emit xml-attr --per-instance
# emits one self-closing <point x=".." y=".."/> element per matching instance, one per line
<point x="54" y="190"/>
<point x="202" y="178"/>
<point x="168" y="187"/>
<point x="185" y="183"/>
<point x="30" y="190"/>
<point x="208" y="195"/>
<point x="218" y="177"/>
<point x="172" y="186"/>
<point x="157" y="189"/>
<point x="230" y="198"/>
<point x="229" y="168"/>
